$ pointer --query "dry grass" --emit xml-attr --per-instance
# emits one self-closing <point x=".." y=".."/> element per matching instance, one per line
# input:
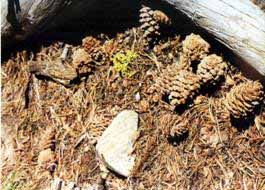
<point x="216" y="153"/>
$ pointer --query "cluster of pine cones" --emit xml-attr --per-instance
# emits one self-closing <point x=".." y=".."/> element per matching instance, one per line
<point x="181" y="84"/>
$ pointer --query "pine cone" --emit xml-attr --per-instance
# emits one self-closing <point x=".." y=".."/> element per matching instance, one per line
<point x="174" y="125"/>
<point x="149" y="25"/>
<point x="195" y="47"/>
<point x="80" y="56"/>
<point x="90" y="44"/>
<point x="99" y="56"/>
<point x="244" y="98"/>
<point x="93" y="47"/>
<point x="211" y="69"/>
<point x="110" y="48"/>
<point x="127" y="37"/>
<point x="179" y="128"/>
<point x="161" y="18"/>
<point x="168" y="75"/>
<point x="260" y="4"/>
<point x="183" y="88"/>
<point x="124" y="38"/>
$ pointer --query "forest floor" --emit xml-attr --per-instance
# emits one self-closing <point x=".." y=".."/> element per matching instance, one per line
<point x="57" y="102"/>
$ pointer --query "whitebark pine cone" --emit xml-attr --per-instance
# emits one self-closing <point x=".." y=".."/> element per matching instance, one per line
<point x="195" y="48"/>
<point x="244" y="98"/>
<point x="151" y="22"/>
<point x="185" y="87"/>
<point x="168" y="75"/>
<point x="211" y="69"/>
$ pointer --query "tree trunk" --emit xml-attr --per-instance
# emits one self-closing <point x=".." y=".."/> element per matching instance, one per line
<point x="238" y="24"/>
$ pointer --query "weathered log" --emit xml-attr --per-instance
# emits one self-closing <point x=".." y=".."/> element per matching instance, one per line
<point x="238" y="24"/>
<point x="22" y="18"/>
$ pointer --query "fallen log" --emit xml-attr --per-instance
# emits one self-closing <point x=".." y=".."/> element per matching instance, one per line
<point x="238" y="24"/>
<point x="23" y="18"/>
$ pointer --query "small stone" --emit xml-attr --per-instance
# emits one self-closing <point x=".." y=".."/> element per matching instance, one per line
<point x="68" y="185"/>
<point x="65" y="52"/>
<point x="125" y="83"/>
<point x="57" y="184"/>
<point x="115" y="146"/>
<point x="144" y="105"/>
<point x="71" y="185"/>
<point x="137" y="97"/>
<point x="46" y="156"/>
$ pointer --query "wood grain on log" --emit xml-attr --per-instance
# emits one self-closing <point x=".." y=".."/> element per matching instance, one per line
<point x="238" y="24"/>
<point x="36" y="16"/>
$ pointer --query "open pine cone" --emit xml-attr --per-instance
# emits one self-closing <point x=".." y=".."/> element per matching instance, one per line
<point x="179" y="128"/>
<point x="211" y="69"/>
<point x="174" y="126"/>
<point x="128" y="36"/>
<point x="168" y="75"/>
<point x="161" y="18"/>
<point x="90" y="44"/>
<point x="124" y="38"/>
<point x="149" y="25"/>
<point x="93" y="47"/>
<point x="184" y="87"/>
<point x="110" y="48"/>
<point x="195" y="48"/>
<point x="244" y="98"/>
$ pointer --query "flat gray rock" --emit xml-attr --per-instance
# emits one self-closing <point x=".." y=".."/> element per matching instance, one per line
<point x="115" y="146"/>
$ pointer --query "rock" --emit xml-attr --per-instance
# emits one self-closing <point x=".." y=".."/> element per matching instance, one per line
<point x="137" y="97"/>
<point x="46" y="156"/>
<point x="115" y="146"/>
<point x="57" y="184"/>
<point x="65" y="52"/>
<point x="71" y="185"/>
<point x="68" y="185"/>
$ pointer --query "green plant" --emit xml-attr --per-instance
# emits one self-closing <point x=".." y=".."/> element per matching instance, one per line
<point x="121" y="62"/>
